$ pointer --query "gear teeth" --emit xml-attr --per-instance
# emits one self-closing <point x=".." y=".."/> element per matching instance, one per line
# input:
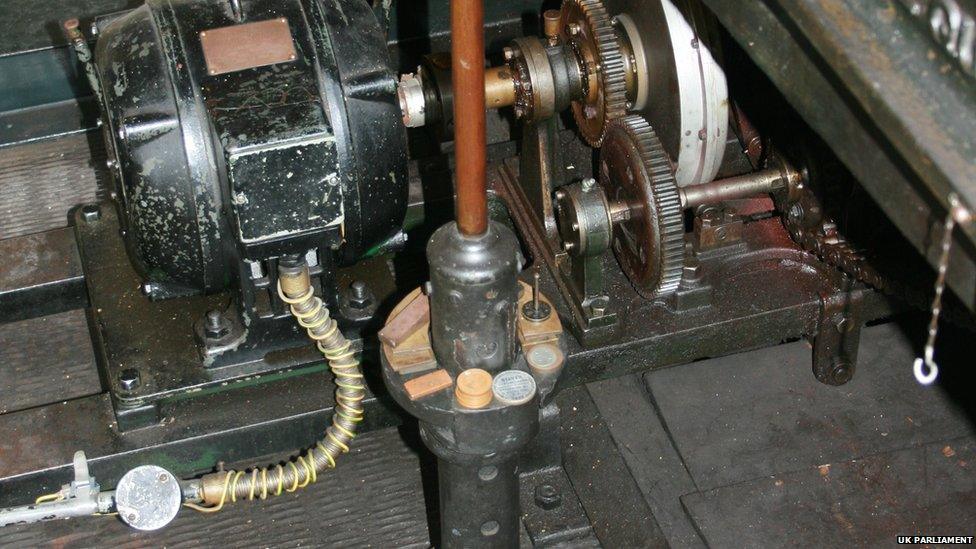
<point x="670" y="216"/>
<point x="611" y="75"/>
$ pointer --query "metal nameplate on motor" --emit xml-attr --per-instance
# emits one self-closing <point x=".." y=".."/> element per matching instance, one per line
<point x="239" y="47"/>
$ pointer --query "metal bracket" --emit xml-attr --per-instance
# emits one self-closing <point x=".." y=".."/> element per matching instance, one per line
<point x="551" y="510"/>
<point x="716" y="228"/>
<point x="538" y="160"/>
<point x="838" y="336"/>
<point x="587" y="232"/>
<point x="539" y="173"/>
<point x="79" y="498"/>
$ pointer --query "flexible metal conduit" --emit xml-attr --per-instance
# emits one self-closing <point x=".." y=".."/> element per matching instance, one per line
<point x="222" y="487"/>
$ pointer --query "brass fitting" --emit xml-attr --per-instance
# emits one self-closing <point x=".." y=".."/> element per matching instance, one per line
<point x="294" y="284"/>
<point x="499" y="87"/>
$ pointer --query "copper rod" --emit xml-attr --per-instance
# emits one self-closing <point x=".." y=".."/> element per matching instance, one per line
<point x="470" y="140"/>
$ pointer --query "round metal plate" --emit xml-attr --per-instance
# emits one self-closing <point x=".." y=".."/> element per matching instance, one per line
<point x="148" y="497"/>
<point x="513" y="387"/>
<point x="544" y="357"/>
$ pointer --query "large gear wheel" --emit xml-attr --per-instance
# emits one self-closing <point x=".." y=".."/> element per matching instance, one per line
<point x="586" y="26"/>
<point x="635" y="170"/>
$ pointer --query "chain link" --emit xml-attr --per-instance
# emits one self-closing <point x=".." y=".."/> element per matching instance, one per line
<point x="816" y="233"/>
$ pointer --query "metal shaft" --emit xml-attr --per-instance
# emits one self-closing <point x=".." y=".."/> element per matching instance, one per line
<point x="65" y="509"/>
<point x="499" y="87"/>
<point x="479" y="503"/>
<point x="733" y="188"/>
<point x="467" y="61"/>
<point x="479" y="493"/>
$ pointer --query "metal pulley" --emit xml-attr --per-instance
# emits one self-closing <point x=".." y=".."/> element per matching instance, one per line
<point x="646" y="58"/>
<point x="681" y="88"/>
<point x="604" y="59"/>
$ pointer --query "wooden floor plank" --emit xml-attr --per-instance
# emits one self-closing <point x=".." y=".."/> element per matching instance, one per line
<point x="46" y="359"/>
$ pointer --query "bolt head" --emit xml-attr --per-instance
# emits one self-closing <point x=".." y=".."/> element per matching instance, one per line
<point x="842" y="324"/>
<point x="215" y="325"/>
<point x="548" y="497"/>
<point x="129" y="379"/>
<point x="842" y="373"/>
<point x="358" y="297"/>
<point x="487" y="350"/>
<point x="509" y="53"/>
<point x="358" y="289"/>
<point x="91" y="213"/>
<point x="710" y="215"/>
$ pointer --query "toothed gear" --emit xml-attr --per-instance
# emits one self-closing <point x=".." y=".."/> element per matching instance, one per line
<point x="635" y="169"/>
<point x="587" y="27"/>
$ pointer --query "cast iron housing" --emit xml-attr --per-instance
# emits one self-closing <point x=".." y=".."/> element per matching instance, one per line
<point x="215" y="168"/>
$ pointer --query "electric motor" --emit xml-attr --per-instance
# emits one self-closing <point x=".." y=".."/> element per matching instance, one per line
<point x="242" y="131"/>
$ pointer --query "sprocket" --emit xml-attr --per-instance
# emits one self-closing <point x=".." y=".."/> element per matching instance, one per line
<point x="587" y="27"/>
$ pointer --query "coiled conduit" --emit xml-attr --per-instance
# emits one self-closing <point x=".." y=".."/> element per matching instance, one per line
<point x="295" y="289"/>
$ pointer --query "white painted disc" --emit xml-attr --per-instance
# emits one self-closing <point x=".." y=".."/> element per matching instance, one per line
<point x="704" y="102"/>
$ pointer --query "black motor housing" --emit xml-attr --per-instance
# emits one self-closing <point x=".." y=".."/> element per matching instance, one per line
<point x="219" y="163"/>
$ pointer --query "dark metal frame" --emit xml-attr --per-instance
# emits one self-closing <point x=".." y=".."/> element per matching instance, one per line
<point x="758" y="293"/>
<point x="195" y="431"/>
<point x="861" y="75"/>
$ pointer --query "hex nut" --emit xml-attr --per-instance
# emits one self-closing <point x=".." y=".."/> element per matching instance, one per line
<point x="129" y="379"/>
<point x="548" y="497"/>
<point x="91" y="213"/>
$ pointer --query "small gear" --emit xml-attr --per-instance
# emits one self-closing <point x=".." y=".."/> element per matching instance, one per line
<point x="587" y="27"/>
<point x="635" y="170"/>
